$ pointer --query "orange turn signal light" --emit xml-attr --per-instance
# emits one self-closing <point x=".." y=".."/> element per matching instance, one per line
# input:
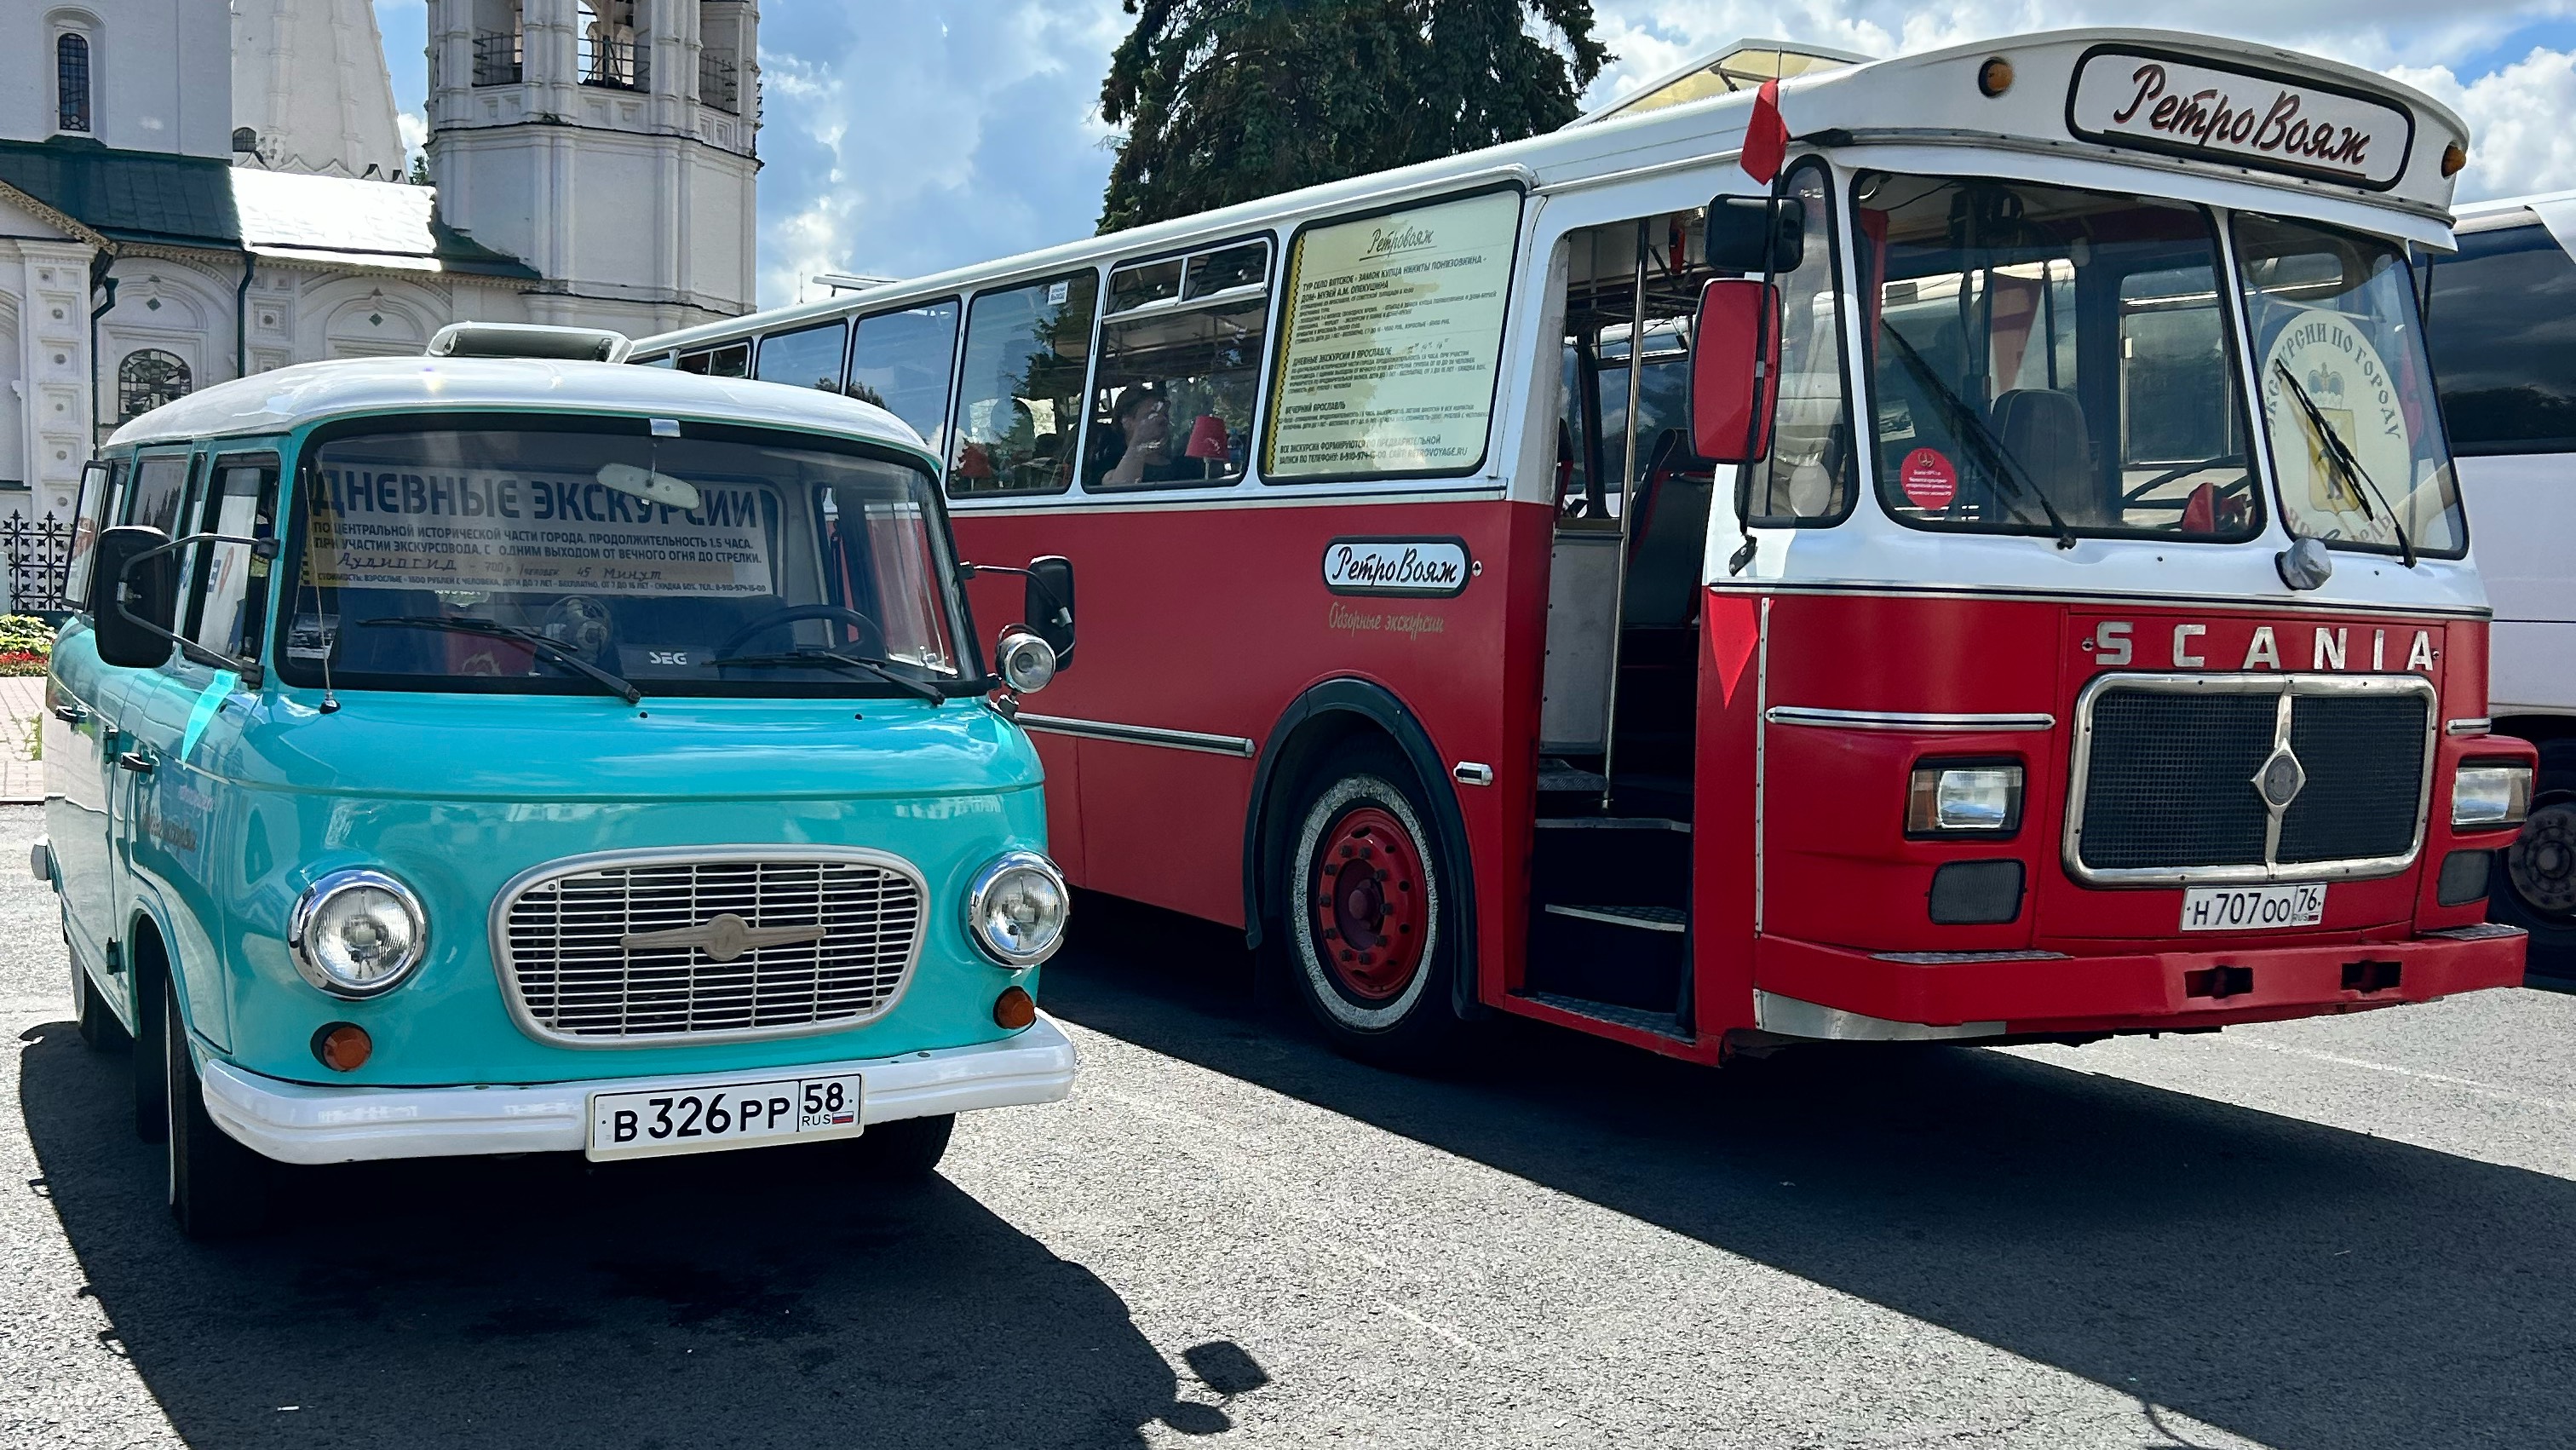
<point x="1994" y="77"/>
<point x="342" y="1046"/>
<point x="2454" y="156"/>
<point x="1014" y="1009"/>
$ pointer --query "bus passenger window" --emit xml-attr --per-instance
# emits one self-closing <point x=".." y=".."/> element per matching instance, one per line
<point x="2502" y="325"/>
<point x="1021" y="395"/>
<point x="733" y="360"/>
<point x="809" y="357"/>
<point x="1808" y="476"/>
<point x="1180" y="362"/>
<point x="900" y="360"/>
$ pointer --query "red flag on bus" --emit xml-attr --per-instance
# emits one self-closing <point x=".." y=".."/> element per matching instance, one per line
<point x="1766" y="136"/>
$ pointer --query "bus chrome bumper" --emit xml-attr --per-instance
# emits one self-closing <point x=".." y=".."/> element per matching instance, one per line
<point x="1806" y="990"/>
<point x="304" y="1123"/>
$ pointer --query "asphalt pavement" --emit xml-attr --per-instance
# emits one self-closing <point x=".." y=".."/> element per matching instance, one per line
<point x="2340" y="1234"/>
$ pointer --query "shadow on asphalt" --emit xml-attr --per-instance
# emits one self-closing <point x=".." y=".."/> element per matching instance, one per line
<point x="2304" y="1286"/>
<point x="726" y="1300"/>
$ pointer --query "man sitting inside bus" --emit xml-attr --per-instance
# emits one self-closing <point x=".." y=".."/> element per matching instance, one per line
<point x="1137" y="447"/>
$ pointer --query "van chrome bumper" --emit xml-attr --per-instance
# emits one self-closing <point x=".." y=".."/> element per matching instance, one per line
<point x="304" y="1123"/>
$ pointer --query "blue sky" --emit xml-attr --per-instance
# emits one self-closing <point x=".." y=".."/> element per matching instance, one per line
<point x="902" y="136"/>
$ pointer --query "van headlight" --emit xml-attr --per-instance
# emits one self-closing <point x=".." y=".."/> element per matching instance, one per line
<point x="1016" y="908"/>
<point x="357" y="933"/>
<point x="2491" y="793"/>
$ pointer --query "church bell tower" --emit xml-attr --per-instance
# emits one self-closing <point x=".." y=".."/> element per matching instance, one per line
<point x="609" y="144"/>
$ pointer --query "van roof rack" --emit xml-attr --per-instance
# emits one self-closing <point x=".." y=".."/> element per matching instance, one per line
<point x="521" y="339"/>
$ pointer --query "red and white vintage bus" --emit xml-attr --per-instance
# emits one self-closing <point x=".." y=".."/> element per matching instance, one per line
<point x="2090" y="644"/>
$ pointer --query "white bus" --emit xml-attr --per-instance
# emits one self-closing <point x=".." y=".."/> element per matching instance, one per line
<point x="2502" y="318"/>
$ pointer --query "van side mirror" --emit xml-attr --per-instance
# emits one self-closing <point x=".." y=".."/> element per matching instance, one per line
<point x="1735" y="370"/>
<point x="1048" y="605"/>
<point x="133" y="600"/>
<point x="1758" y="234"/>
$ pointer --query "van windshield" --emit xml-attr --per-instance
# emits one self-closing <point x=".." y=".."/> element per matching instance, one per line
<point x="2052" y="361"/>
<point x="602" y="558"/>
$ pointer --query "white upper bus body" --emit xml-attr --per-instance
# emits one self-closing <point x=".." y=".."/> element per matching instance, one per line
<point x="2134" y="113"/>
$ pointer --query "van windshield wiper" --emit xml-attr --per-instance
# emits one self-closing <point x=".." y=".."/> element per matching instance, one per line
<point x="2340" y="454"/>
<point x="1998" y="459"/>
<point x="834" y="659"/>
<point x="556" y="650"/>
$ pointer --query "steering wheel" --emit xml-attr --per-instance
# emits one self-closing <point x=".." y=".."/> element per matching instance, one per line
<point x="871" y="638"/>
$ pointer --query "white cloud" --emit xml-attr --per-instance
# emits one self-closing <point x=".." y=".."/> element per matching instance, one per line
<point x="2519" y="137"/>
<point x="414" y="129"/>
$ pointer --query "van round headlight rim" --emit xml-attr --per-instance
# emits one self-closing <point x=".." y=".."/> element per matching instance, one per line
<point x="979" y="895"/>
<point x="308" y="909"/>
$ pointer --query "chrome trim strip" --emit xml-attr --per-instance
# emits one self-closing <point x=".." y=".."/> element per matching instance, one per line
<point x="1761" y="756"/>
<point x="2285" y="686"/>
<point x="1611" y="917"/>
<point x="1234" y="745"/>
<point x="1903" y="720"/>
<point x="1792" y="1017"/>
<point x="2479" y="726"/>
<point x="535" y="876"/>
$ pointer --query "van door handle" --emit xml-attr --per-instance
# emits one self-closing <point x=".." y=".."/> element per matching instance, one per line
<point x="70" y="714"/>
<point x="135" y="761"/>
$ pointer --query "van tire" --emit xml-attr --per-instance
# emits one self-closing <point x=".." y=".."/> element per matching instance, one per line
<point x="906" y="1150"/>
<point x="218" y="1188"/>
<point x="1368" y="935"/>
<point x="90" y="1012"/>
<point x="2534" y="882"/>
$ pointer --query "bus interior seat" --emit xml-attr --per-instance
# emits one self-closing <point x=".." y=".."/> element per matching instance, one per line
<point x="1668" y="536"/>
<point x="2044" y="431"/>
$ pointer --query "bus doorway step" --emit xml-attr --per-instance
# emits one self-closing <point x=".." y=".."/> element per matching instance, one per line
<point x="1662" y="1024"/>
<point x="1623" y="957"/>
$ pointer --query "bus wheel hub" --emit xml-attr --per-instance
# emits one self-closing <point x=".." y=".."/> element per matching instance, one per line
<point x="2542" y="861"/>
<point x="1368" y="903"/>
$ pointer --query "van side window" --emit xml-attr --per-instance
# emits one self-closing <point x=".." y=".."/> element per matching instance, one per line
<point x="160" y="484"/>
<point x="900" y="361"/>
<point x="229" y="592"/>
<point x="2502" y="325"/>
<point x="809" y="357"/>
<point x="1020" y="405"/>
<point x="98" y="485"/>
<point x="1180" y="365"/>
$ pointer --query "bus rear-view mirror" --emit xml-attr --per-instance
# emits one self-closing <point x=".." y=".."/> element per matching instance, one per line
<point x="1048" y="605"/>
<point x="1735" y="369"/>
<point x="135" y="599"/>
<point x="1756" y="234"/>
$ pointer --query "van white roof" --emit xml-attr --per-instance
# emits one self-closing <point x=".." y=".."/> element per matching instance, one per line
<point x="274" y="402"/>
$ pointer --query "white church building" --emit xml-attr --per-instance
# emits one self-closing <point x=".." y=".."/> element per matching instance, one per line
<point x="192" y="192"/>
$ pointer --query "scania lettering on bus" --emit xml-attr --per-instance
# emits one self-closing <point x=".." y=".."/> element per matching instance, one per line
<point x="1954" y="547"/>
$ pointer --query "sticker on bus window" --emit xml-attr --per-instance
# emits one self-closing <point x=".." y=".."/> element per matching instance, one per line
<point x="529" y="531"/>
<point x="1928" y="478"/>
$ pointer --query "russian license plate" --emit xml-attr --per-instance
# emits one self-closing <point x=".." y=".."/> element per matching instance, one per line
<point x="2252" y="908"/>
<point x="736" y="1115"/>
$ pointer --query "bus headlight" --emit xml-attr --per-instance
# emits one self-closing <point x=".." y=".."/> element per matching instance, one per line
<point x="1963" y="799"/>
<point x="357" y="933"/>
<point x="1016" y="909"/>
<point x="2490" y="793"/>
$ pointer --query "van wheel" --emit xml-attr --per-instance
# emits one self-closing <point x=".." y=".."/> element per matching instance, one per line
<point x="2534" y="886"/>
<point x="1371" y="939"/>
<point x="906" y="1150"/>
<point x="97" y="1020"/>
<point x="218" y="1188"/>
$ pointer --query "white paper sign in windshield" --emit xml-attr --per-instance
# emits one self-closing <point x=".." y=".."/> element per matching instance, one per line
<point x="533" y="532"/>
<point x="1394" y="329"/>
<point x="2157" y="103"/>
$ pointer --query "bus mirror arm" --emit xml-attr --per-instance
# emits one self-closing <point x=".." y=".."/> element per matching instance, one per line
<point x="1048" y="603"/>
<point x="132" y="640"/>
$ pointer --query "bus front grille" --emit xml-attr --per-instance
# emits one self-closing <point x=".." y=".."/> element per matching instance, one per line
<point x="649" y="948"/>
<point x="2167" y="770"/>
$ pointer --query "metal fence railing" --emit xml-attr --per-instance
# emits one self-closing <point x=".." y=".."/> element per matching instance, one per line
<point x="496" y="58"/>
<point x="37" y="551"/>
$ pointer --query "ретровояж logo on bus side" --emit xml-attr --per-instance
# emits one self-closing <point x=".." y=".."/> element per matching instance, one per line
<point x="1419" y="567"/>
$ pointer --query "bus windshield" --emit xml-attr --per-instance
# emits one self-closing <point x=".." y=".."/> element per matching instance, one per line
<point x="2347" y="390"/>
<point x="2051" y="361"/>
<point x="599" y="557"/>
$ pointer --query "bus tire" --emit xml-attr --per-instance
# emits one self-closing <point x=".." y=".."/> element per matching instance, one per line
<point x="2534" y="885"/>
<point x="218" y="1188"/>
<point x="96" y="1020"/>
<point x="1369" y="936"/>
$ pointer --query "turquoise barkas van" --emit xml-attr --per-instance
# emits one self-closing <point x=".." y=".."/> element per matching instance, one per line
<point x="518" y="754"/>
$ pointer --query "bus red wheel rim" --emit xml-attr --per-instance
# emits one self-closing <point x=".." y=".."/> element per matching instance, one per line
<point x="1368" y="903"/>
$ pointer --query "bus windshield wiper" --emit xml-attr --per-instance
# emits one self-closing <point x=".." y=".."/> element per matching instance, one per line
<point x="834" y="659"/>
<point x="2340" y="454"/>
<point x="1998" y="459"/>
<point x="556" y="650"/>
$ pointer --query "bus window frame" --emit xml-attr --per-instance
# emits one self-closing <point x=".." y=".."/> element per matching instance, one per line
<point x="1183" y="302"/>
<point x="841" y="383"/>
<point x="1099" y="271"/>
<point x="1274" y="374"/>
<point x="1847" y="361"/>
<point x="856" y="319"/>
